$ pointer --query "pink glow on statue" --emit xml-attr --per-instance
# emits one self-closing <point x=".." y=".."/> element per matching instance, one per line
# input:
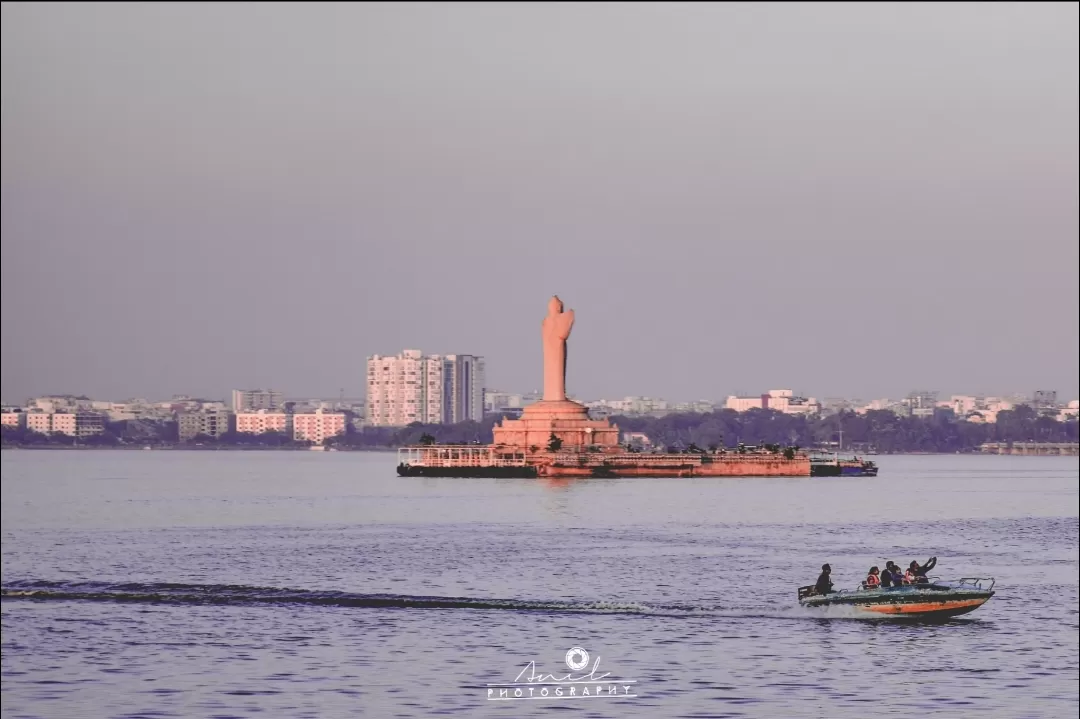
<point x="556" y="330"/>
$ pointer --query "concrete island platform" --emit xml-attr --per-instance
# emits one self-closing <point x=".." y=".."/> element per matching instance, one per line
<point x="556" y="438"/>
<point x="505" y="461"/>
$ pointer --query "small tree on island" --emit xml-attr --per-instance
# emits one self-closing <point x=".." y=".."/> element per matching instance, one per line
<point x="426" y="439"/>
<point x="554" y="443"/>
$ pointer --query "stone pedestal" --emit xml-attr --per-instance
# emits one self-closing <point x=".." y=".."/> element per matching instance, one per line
<point x="567" y="420"/>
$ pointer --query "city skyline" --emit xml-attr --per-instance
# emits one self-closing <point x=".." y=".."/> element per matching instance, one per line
<point x="785" y="400"/>
<point x="768" y="194"/>
<point x="230" y="397"/>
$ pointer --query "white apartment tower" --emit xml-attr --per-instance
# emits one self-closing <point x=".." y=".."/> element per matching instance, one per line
<point x="404" y="389"/>
<point x="432" y="389"/>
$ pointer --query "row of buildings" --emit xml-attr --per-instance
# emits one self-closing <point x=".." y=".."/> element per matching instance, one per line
<point x="72" y="423"/>
<point x="973" y="408"/>
<point x="251" y="412"/>
<point x="437" y="389"/>
<point x="781" y="400"/>
<point x="315" y="426"/>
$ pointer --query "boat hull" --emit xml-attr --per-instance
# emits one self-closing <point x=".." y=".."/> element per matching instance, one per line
<point x="907" y="602"/>
<point x="928" y="610"/>
<point x="830" y="469"/>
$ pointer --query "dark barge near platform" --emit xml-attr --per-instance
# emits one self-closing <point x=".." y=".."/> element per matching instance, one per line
<point x="833" y="466"/>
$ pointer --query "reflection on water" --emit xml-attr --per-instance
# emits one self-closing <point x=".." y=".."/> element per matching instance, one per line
<point x="320" y="584"/>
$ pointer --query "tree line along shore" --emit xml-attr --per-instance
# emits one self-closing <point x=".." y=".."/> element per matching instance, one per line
<point x="878" y="431"/>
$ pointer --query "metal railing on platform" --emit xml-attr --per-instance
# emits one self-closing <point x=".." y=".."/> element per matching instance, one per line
<point x="460" y="456"/>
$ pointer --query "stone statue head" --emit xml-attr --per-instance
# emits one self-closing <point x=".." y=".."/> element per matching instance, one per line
<point x="555" y="306"/>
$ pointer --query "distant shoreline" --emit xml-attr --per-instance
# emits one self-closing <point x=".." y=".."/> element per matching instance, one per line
<point x="184" y="448"/>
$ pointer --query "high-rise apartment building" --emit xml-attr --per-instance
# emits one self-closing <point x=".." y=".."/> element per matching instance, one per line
<point x="404" y="389"/>
<point x="432" y="389"/>
<point x="250" y="400"/>
<point x="463" y="388"/>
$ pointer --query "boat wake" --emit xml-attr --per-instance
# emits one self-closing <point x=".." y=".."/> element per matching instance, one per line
<point x="243" y="595"/>
<point x="201" y="594"/>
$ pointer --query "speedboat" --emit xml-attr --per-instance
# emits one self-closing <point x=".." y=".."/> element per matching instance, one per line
<point x="930" y="600"/>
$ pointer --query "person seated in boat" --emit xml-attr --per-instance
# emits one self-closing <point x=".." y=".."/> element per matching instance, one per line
<point x="873" y="581"/>
<point x="824" y="584"/>
<point x="909" y="575"/>
<point x="891" y="576"/>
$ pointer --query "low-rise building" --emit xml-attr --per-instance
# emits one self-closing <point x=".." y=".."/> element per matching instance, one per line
<point x="318" y="426"/>
<point x="921" y="403"/>
<point x="989" y="408"/>
<point x="76" y="423"/>
<point x="596" y="411"/>
<point x="1044" y="401"/>
<point x="496" y="402"/>
<point x="876" y="405"/>
<point x="38" y="421"/>
<point x="262" y="421"/>
<point x="53" y="403"/>
<point x="961" y="404"/>
<point x="780" y="400"/>
<point x="700" y="406"/>
<point x="742" y="403"/>
<point x="13" y="418"/>
<point x="211" y="423"/>
<point x="628" y="406"/>
<point x="1070" y="411"/>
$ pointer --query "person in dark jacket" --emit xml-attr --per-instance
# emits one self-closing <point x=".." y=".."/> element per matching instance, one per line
<point x="920" y="570"/>
<point x="890" y="577"/>
<point x="824" y="584"/>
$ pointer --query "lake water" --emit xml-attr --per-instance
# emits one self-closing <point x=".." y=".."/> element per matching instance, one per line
<point x="304" y="584"/>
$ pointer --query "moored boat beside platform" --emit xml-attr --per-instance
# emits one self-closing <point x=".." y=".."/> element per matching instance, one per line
<point x="834" y="466"/>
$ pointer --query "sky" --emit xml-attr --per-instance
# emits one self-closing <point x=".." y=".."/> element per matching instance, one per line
<point x="844" y="200"/>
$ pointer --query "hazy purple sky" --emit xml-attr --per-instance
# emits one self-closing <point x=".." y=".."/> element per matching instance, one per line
<point x="842" y="199"/>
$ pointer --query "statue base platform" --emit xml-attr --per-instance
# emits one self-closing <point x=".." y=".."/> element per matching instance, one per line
<point x="567" y="420"/>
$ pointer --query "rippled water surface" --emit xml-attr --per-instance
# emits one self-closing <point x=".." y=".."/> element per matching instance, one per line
<point x="290" y="584"/>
